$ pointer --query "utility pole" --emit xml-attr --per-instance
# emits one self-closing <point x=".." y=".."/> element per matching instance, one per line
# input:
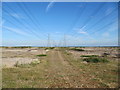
<point x="64" y="40"/>
<point x="54" y="43"/>
<point x="48" y="44"/>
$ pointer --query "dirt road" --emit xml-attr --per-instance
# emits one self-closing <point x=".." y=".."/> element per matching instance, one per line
<point x="63" y="74"/>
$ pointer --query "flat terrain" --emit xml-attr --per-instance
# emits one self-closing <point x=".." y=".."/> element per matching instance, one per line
<point x="59" y="68"/>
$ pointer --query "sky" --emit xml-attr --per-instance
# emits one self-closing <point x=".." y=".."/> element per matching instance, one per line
<point x="60" y="23"/>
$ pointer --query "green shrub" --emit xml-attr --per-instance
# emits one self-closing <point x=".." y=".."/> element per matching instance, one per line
<point x="89" y="56"/>
<point x="77" y="49"/>
<point x="41" y="55"/>
<point x="49" y="48"/>
<point x="23" y="47"/>
<point x="95" y="60"/>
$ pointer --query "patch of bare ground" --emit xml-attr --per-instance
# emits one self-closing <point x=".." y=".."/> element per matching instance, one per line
<point x="11" y="56"/>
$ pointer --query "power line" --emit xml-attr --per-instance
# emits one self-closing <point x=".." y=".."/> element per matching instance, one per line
<point x="22" y="24"/>
<point x="30" y="15"/>
<point x="100" y="29"/>
<point x="93" y="15"/>
<point x="79" y="14"/>
<point x="27" y="28"/>
<point x="103" y="18"/>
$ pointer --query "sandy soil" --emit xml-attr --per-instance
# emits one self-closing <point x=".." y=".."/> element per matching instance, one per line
<point x="11" y="56"/>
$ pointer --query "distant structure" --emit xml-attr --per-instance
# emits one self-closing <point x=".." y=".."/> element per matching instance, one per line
<point x="64" y="40"/>
<point x="48" y="44"/>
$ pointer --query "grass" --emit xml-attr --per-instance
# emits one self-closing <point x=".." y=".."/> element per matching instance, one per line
<point x="95" y="60"/>
<point x="41" y="55"/>
<point x="25" y="76"/>
<point x="89" y="56"/>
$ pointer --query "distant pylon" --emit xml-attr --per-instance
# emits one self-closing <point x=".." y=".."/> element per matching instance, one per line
<point x="64" y="40"/>
<point x="48" y="44"/>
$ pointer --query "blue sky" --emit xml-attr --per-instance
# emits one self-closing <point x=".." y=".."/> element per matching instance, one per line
<point x="77" y="23"/>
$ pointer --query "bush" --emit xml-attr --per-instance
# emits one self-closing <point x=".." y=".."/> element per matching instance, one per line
<point x="95" y="60"/>
<point x="105" y="54"/>
<point x="16" y="64"/>
<point x="89" y="56"/>
<point x="77" y="49"/>
<point x="41" y="55"/>
<point x="49" y="48"/>
<point x="23" y="47"/>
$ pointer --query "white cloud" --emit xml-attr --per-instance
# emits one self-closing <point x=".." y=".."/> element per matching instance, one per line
<point x="16" y="31"/>
<point x="50" y="5"/>
<point x="106" y="34"/>
<point x="108" y="11"/>
<point x="81" y="30"/>
<point x="17" y="15"/>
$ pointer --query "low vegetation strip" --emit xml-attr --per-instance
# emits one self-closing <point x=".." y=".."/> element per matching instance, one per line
<point x="95" y="60"/>
<point x="40" y="55"/>
<point x="77" y="49"/>
<point x="89" y="56"/>
<point x="49" y="48"/>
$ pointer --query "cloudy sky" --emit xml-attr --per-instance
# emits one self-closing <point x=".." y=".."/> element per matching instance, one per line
<point x="76" y="23"/>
